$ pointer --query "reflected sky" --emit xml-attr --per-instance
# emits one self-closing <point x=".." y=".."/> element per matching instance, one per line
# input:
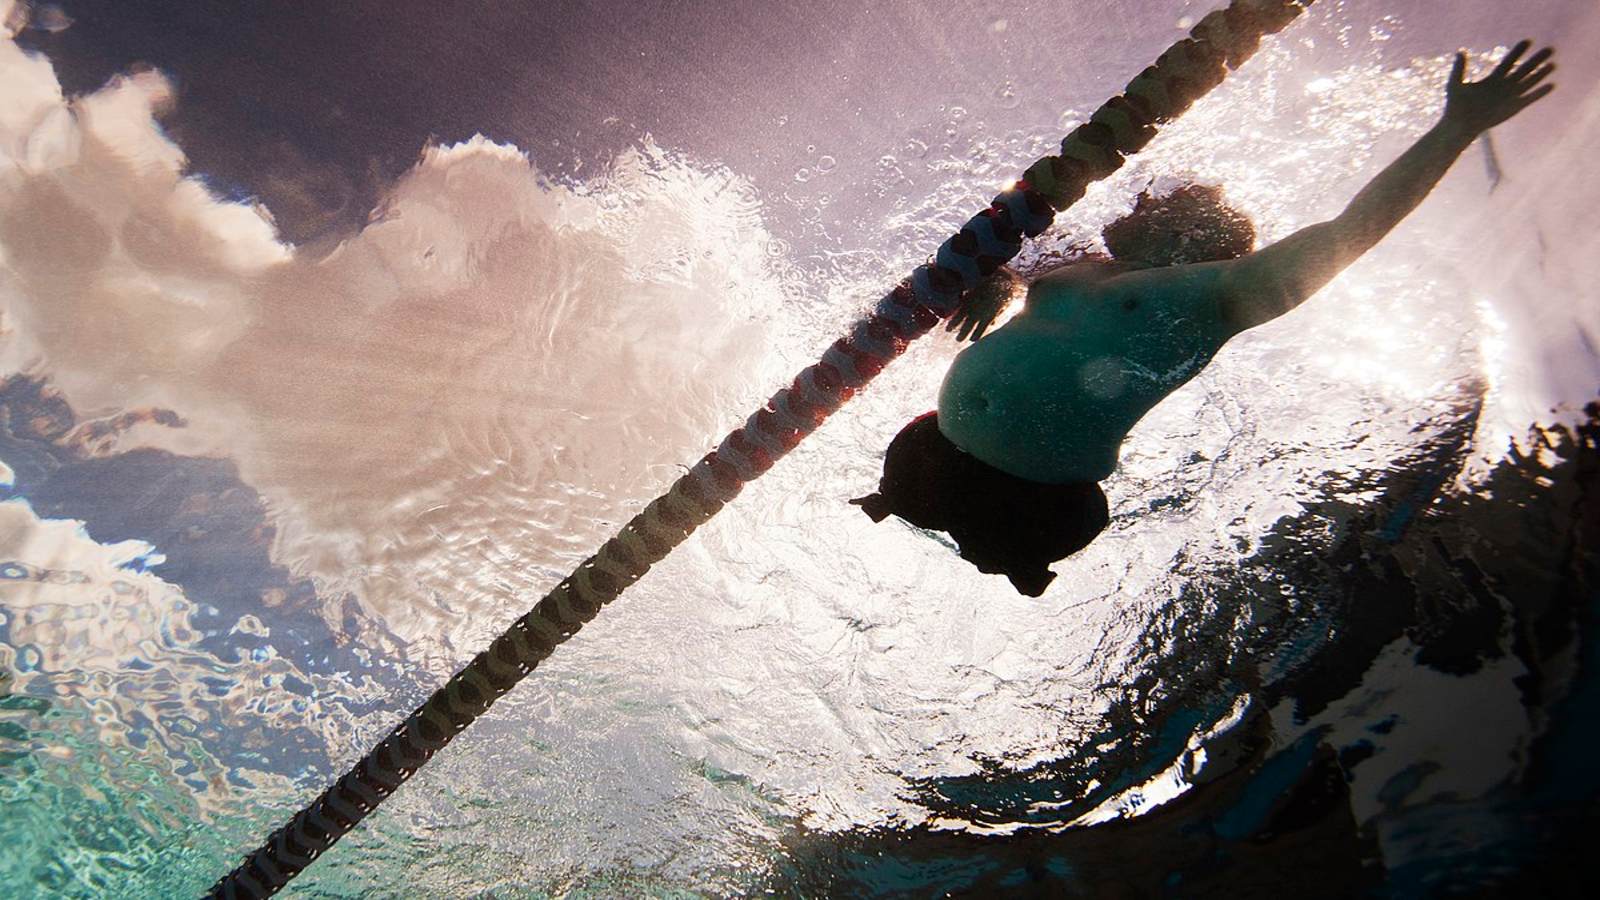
<point x="312" y="448"/>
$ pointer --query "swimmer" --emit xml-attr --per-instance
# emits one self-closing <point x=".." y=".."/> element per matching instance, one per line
<point x="1032" y="416"/>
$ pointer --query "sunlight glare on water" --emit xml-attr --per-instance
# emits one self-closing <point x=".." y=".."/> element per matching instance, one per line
<point x="457" y="404"/>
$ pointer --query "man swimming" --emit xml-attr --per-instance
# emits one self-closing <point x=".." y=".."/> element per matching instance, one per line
<point x="1033" y="416"/>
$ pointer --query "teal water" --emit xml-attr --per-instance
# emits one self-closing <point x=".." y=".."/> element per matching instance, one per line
<point x="259" y="497"/>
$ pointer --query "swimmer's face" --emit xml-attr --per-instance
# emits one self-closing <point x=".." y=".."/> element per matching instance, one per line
<point x="1190" y="225"/>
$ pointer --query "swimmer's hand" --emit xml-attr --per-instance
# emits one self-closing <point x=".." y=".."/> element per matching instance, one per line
<point x="1477" y="106"/>
<point x="982" y="304"/>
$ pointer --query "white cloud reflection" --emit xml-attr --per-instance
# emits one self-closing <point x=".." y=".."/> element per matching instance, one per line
<point x="464" y="398"/>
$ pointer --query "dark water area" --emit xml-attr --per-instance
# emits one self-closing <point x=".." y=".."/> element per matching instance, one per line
<point x="1475" y="587"/>
<point x="1301" y="662"/>
<point x="318" y="132"/>
<point x="1291" y="694"/>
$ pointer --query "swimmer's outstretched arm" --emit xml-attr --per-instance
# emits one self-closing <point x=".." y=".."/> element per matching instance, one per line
<point x="1263" y="285"/>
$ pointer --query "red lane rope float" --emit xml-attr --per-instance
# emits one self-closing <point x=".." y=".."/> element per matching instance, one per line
<point x="1222" y="40"/>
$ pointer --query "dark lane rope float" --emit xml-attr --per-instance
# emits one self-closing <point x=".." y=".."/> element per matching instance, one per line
<point x="1221" y="41"/>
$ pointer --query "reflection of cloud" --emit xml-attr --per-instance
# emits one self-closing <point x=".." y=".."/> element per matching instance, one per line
<point x="444" y="411"/>
<point x="483" y="376"/>
<point x="141" y="687"/>
<point x="119" y="652"/>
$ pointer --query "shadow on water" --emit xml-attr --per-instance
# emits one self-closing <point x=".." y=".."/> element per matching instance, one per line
<point x="1330" y="715"/>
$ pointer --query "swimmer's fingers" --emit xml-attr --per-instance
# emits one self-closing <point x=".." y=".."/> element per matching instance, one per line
<point x="1514" y="85"/>
<point x="1509" y="60"/>
<point x="1541" y="74"/>
<point x="957" y="321"/>
<point x="972" y="318"/>
<point x="1525" y="87"/>
<point x="973" y="325"/>
<point x="1530" y="99"/>
<point x="960" y="320"/>
<point x="986" y="317"/>
<point x="1530" y="67"/>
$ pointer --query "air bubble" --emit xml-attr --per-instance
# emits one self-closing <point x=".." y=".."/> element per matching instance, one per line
<point x="826" y="164"/>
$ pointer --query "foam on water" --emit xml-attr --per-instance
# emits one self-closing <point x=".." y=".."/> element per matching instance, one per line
<point x="447" y="411"/>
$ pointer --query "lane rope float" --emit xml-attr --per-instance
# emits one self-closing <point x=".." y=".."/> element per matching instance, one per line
<point x="1190" y="68"/>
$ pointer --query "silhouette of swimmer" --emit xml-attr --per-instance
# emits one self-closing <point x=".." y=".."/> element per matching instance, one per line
<point x="1032" y="416"/>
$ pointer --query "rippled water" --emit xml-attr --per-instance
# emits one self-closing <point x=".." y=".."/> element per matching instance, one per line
<point x="261" y="500"/>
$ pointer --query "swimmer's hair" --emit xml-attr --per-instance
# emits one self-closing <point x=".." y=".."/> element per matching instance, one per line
<point x="1189" y="225"/>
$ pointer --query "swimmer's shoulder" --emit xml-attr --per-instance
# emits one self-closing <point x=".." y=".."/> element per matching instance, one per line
<point x="1193" y="292"/>
<point x="1072" y="282"/>
<point x="1087" y="271"/>
<point x="1193" y="289"/>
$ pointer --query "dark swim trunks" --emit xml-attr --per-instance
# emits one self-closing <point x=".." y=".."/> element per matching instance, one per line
<point x="1003" y="524"/>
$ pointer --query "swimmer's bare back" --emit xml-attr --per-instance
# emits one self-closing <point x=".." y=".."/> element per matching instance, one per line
<point x="1051" y="395"/>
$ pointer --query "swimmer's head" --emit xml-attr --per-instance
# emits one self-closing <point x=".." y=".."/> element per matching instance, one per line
<point x="1192" y="224"/>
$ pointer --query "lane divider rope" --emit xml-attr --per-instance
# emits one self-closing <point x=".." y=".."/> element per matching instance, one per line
<point x="1221" y="41"/>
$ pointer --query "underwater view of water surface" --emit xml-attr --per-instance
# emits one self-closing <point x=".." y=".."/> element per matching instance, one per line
<point x="332" y="338"/>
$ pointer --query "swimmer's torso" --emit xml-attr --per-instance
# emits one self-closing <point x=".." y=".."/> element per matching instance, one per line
<point x="1050" y="395"/>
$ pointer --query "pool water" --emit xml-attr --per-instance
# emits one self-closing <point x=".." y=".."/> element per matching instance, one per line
<point x="260" y="494"/>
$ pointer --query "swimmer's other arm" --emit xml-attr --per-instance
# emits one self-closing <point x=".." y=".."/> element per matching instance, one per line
<point x="1263" y="285"/>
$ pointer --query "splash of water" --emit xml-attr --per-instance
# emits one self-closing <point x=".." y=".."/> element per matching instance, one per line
<point x="456" y="404"/>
